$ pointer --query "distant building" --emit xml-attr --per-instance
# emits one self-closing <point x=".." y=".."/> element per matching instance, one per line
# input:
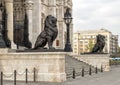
<point x="83" y="41"/>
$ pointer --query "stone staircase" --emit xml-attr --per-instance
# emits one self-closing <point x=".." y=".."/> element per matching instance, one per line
<point x="72" y="63"/>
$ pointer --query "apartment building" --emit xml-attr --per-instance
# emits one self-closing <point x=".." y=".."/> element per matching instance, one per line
<point x="83" y="41"/>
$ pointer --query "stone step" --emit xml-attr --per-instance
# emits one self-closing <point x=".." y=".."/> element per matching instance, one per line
<point x="73" y="63"/>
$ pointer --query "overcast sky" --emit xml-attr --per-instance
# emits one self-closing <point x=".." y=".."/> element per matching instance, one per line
<point x="96" y="14"/>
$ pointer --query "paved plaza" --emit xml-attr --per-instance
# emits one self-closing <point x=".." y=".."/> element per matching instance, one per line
<point x="107" y="78"/>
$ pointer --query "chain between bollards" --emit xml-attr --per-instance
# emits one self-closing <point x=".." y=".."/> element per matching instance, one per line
<point x="1" y="78"/>
<point x="82" y="71"/>
<point x="74" y="73"/>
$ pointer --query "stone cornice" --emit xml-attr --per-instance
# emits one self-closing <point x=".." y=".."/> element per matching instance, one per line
<point x="9" y="1"/>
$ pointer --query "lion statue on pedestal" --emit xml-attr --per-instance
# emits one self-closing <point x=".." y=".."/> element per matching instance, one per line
<point x="49" y="34"/>
<point x="100" y="44"/>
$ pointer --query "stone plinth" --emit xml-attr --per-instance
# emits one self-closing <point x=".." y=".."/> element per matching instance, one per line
<point x="3" y="51"/>
<point x="96" y="60"/>
<point x="50" y="66"/>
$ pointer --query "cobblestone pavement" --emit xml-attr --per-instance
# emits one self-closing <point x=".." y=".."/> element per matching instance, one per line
<point x="107" y="78"/>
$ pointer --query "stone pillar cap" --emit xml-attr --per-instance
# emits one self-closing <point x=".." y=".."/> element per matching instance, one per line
<point x="9" y="1"/>
<point x="29" y="1"/>
<point x="29" y="4"/>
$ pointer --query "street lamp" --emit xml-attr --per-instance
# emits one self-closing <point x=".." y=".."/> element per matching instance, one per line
<point x="78" y="44"/>
<point x="68" y="20"/>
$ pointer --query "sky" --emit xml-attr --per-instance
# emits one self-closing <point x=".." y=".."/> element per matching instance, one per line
<point x="97" y="14"/>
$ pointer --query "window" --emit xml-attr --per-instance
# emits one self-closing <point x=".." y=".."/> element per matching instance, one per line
<point x="57" y="42"/>
<point x="42" y="1"/>
<point x="75" y="51"/>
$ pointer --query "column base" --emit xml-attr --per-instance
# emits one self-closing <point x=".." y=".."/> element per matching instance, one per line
<point x="13" y="45"/>
<point x="68" y="47"/>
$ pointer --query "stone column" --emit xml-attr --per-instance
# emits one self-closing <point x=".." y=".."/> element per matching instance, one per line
<point x="61" y="24"/>
<point x="29" y="8"/>
<point x="52" y="11"/>
<point x="9" y="8"/>
<point x="52" y="7"/>
<point x="36" y="19"/>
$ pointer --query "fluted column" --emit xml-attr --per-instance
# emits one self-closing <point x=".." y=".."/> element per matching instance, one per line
<point x="52" y="7"/>
<point x="29" y="8"/>
<point x="9" y="9"/>
<point x="52" y="11"/>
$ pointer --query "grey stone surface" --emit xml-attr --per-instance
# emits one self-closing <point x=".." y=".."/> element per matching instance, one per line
<point x="72" y="63"/>
<point x="47" y="68"/>
<point x="106" y="78"/>
<point x="95" y="60"/>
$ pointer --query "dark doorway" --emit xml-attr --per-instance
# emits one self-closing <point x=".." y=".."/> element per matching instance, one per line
<point x="20" y="25"/>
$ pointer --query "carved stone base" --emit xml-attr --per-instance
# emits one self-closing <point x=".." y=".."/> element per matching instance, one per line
<point x="49" y="66"/>
<point x="41" y="50"/>
<point x="96" y="60"/>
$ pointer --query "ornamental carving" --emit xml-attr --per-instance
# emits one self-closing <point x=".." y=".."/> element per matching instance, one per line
<point x="28" y="4"/>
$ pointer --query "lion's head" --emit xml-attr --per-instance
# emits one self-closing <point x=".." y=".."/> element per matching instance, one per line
<point x="100" y="43"/>
<point x="50" y="21"/>
<point x="100" y="38"/>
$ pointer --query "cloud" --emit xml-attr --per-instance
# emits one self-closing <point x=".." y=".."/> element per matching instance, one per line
<point x="94" y="14"/>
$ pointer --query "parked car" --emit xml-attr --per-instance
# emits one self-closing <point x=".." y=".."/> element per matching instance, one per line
<point x="114" y="58"/>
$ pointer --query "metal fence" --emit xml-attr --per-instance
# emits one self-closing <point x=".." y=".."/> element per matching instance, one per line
<point x="72" y="74"/>
<point x="83" y="71"/>
<point x="14" y="75"/>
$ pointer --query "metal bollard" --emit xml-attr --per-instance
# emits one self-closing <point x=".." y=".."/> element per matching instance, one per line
<point x="96" y="70"/>
<point x="15" y="77"/>
<point x="83" y="72"/>
<point x="90" y="71"/>
<point x="101" y="69"/>
<point x="1" y="78"/>
<point x="34" y="75"/>
<point x="26" y="76"/>
<point x="74" y="73"/>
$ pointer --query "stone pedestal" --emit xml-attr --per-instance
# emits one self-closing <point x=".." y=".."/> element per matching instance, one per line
<point x="3" y="51"/>
<point x="50" y="66"/>
<point x="96" y="60"/>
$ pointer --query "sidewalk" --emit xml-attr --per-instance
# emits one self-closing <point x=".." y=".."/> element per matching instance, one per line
<point x="107" y="78"/>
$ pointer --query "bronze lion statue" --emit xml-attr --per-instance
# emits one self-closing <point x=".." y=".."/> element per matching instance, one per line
<point x="100" y="43"/>
<point x="49" y="34"/>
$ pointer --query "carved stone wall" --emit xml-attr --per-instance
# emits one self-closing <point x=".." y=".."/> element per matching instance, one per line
<point x="39" y="10"/>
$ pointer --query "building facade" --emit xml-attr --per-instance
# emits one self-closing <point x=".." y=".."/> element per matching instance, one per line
<point x="84" y="41"/>
<point x="36" y="11"/>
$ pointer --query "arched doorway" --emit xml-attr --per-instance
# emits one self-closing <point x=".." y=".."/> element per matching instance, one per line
<point x="20" y="24"/>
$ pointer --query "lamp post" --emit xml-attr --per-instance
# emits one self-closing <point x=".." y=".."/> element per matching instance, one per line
<point x="78" y="44"/>
<point x="68" y="20"/>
